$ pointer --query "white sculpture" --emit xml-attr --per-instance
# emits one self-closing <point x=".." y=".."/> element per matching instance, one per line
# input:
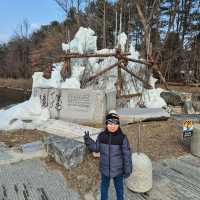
<point x="141" y="178"/>
<point x="195" y="141"/>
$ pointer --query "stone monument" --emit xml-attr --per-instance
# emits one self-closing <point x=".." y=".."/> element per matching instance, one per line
<point x="195" y="140"/>
<point x="83" y="106"/>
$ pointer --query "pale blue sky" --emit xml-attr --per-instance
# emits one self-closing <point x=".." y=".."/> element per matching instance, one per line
<point x="37" y="12"/>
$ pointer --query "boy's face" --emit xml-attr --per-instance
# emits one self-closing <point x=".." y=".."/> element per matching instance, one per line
<point x="112" y="127"/>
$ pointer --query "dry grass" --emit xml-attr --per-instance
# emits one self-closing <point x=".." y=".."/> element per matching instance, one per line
<point x="184" y="88"/>
<point x="16" y="138"/>
<point x="84" y="178"/>
<point x="16" y="83"/>
<point x="159" y="139"/>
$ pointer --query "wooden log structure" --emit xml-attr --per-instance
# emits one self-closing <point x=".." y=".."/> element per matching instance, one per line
<point x="102" y="72"/>
<point x="121" y="64"/>
<point x="146" y="84"/>
<point x="128" y="96"/>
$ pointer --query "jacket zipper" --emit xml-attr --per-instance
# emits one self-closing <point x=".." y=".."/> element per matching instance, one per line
<point x="109" y="152"/>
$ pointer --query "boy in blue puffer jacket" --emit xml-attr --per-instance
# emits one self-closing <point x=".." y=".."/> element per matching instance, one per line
<point x="115" y="155"/>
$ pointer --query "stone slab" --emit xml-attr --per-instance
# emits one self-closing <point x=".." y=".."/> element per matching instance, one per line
<point x="11" y="156"/>
<point x="132" y="115"/>
<point x="188" y="107"/>
<point x="3" y="146"/>
<point x="31" y="180"/>
<point x="5" y="156"/>
<point x="83" y="106"/>
<point x="68" y="129"/>
<point x="193" y="117"/>
<point x="32" y="146"/>
<point x="67" y="152"/>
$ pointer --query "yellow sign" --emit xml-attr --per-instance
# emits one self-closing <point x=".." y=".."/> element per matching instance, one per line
<point x="187" y="128"/>
<point x="187" y="124"/>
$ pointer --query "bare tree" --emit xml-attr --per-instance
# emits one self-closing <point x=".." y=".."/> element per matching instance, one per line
<point x="22" y="30"/>
<point x="66" y="5"/>
<point x="104" y="24"/>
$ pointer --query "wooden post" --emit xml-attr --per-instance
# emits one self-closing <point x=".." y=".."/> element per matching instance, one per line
<point x="139" y="134"/>
<point x="119" y="74"/>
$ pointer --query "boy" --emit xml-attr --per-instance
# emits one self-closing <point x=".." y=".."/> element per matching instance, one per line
<point x="115" y="155"/>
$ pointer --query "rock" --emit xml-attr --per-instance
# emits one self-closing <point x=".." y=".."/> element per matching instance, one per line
<point x="141" y="178"/>
<point x="171" y="98"/>
<point x="32" y="180"/>
<point x="195" y="141"/>
<point x="188" y="107"/>
<point x="175" y="109"/>
<point x="131" y="115"/>
<point x="32" y="147"/>
<point x="3" y="146"/>
<point x="67" y="152"/>
<point x="196" y="102"/>
<point x="89" y="196"/>
<point x="196" y="106"/>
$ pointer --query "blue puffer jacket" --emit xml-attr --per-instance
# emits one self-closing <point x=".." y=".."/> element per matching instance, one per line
<point x="115" y="153"/>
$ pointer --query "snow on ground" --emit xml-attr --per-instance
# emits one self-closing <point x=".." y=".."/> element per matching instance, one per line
<point x="27" y="112"/>
<point x="31" y="113"/>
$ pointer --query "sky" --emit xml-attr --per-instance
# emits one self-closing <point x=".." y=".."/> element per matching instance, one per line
<point x="36" y="12"/>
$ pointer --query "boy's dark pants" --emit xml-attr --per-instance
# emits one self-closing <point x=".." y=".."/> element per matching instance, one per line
<point x="118" y="183"/>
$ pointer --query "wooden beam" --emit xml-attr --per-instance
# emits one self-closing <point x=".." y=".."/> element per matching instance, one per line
<point x="139" y="61"/>
<point x="146" y="84"/>
<point x="90" y="55"/>
<point x="128" y="96"/>
<point x="102" y="72"/>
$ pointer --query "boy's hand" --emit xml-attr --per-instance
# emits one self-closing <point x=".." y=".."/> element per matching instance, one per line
<point x="87" y="135"/>
<point x="126" y="175"/>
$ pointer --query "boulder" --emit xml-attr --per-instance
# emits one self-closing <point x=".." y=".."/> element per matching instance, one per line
<point x="141" y="178"/>
<point x="196" y="102"/>
<point x="172" y="98"/>
<point x="67" y="152"/>
<point x="188" y="107"/>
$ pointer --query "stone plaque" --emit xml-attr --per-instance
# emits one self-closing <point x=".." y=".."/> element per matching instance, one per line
<point x="84" y="106"/>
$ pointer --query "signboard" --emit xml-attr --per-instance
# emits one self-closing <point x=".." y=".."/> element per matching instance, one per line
<point x="187" y="128"/>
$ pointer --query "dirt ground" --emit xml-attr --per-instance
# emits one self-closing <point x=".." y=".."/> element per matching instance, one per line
<point x="16" y="138"/>
<point x="158" y="140"/>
